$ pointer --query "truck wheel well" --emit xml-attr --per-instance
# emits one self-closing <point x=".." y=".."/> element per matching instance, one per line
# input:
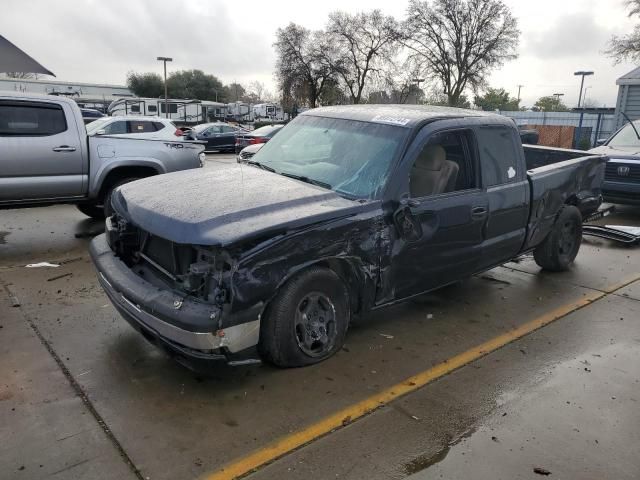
<point x="351" y="277"/>
<point x="121" y="173"/>
<point x="347" y="272"/>
<point x="572" y="200"/>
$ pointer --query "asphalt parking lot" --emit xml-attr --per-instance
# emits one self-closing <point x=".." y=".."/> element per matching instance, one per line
<point x="510" y="371"/>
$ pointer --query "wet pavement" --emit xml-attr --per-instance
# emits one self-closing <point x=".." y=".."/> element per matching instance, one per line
<point x="85" y="396"/>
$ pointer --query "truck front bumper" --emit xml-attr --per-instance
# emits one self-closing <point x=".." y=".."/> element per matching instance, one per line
<point x="184" y="328"/>
<point x="621" y="192"/>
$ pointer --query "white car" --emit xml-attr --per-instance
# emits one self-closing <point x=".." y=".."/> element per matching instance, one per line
<point x="154" y="128"/>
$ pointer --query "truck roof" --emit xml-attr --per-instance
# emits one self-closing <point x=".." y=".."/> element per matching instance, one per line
<point x="36" y="96"/>
<point x="407" y="116"/>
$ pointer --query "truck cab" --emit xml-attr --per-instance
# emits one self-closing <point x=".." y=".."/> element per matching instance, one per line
<point x="46" y="156"/>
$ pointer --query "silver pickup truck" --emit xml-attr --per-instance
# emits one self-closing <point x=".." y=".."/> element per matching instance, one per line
<point x="46" y="156"/>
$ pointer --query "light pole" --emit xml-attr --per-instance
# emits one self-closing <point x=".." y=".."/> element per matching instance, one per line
<point x="519" y="88"/>
<point x="166" y="101"/>
<point x="582" y="74"/>
<point x="584" y="97"/>
<point x="417" y="81"/>
<point x="558" y="95"/>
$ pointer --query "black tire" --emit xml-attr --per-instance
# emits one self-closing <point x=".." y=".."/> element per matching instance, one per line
<point x="108" y="211"/>
<point x="91" y="210"/>
<point x="562" y="244"/>
<point x="316" y="298"/>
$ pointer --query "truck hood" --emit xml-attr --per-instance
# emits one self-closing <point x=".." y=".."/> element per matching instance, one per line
<point x="227" y="205"/>
<point x="624" y="152"/>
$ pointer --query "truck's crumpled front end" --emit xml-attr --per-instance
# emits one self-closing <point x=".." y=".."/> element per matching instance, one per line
<point x="174" y="294"/>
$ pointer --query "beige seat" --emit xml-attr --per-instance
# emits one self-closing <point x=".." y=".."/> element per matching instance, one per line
<point x="432" y="173"/>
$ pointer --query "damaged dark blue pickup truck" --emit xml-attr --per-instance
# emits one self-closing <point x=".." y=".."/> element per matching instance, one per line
<point x="348" y="209"/>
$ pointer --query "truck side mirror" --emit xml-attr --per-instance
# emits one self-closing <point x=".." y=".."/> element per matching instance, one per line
<point x="600" y="142"/>
<point x="102" y="131"/>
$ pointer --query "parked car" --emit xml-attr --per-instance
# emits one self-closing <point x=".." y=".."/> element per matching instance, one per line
<point x="47" y="157"/>
<point x="259" y="135"/>
<point x="348" y="209"/>
<point x="247" y="152"/>
<point x="136" y="127"/>
<point x="218" y="136"/>
<point x="622" y="175"/>
<point x="89" y="115"/>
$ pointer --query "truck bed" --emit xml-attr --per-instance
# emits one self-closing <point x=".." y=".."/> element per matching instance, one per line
<point x="558" y="177"/>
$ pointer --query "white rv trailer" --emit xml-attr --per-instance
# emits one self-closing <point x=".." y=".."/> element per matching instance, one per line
<point x="269" y="111"/>
<point x="183" y="112"/>
<point x="240" y="111"/>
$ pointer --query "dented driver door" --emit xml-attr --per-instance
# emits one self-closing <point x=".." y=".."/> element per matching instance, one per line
<point x="443" y="213"/>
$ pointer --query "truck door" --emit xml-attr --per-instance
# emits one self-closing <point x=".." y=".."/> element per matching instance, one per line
<point x="504" y="177"/>
<point x="442" y="216"/>
<point x="40" y="152"/>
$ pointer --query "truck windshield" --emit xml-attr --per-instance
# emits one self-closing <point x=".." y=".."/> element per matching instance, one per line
<point x="626" y="137"/>
<point x="352" y="158"/>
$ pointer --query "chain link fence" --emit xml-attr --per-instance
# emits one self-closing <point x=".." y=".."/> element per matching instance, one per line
<point x="567" y="129"/>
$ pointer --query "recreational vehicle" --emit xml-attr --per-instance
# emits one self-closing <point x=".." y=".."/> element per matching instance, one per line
<point x="183" y="112"/>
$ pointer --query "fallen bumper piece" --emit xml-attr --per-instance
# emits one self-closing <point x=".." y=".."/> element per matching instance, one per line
<point x="618" y="233"/>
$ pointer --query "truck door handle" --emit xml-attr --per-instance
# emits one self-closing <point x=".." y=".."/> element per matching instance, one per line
<point x="478" y="212"/>
<point x="64" y="148"/>
<point x="410" y="202"/>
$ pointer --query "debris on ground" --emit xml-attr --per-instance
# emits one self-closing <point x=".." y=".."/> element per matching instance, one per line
<point x="58" y="277"/>
<point x="70" y="260"/>
<point x="42" y="264"/>
<point x="618" y="233"/>
<point x="493" y="279"/>
<point x="386" y="336"/>
<point x="12" y="297"/>
<point x="541" y="471"/>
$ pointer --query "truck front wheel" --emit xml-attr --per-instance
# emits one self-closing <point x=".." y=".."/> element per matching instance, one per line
<point x="307" y="320"/>
<point x="561" y="246"/>
<point x="91" y="210"/>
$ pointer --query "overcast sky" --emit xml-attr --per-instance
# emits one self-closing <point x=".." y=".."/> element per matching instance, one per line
<point x="99" y="41"/>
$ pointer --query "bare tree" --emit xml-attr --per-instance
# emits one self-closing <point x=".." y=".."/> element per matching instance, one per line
<point x="258" y="89"/>
<point x="460" y="41"/>
<point x="21" y="75"/>
<point x="303" y="63"/>
<point x="403" y="82"/>
<point x="364" y="42"/>
<point x="626" y="47"/>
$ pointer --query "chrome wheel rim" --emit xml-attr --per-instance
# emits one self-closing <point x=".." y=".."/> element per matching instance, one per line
<point x="315" y="324"/>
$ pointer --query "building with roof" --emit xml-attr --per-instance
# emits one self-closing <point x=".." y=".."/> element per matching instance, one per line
<point x="92" y="95"/>
<point x="628" y="97"/>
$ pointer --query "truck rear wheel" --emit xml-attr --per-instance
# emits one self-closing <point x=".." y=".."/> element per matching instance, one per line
<point x="91" y="210"/>
<point x="561" y="246"/>
<point x="307" y="321"/>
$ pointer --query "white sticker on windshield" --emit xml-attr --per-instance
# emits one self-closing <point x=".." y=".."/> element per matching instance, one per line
<point x="391" y="119"/>
<point x="511" y="172"/>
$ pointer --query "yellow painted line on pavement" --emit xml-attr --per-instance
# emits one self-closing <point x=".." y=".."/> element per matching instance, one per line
<point x="289" y="443"/>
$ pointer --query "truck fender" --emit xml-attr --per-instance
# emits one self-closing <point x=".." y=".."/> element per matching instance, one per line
<point x="359" y="280"/>
<point x="151" y="165"/>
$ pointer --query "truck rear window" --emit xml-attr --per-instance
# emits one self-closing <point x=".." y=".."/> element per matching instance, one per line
<point x="31" y="119"/>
